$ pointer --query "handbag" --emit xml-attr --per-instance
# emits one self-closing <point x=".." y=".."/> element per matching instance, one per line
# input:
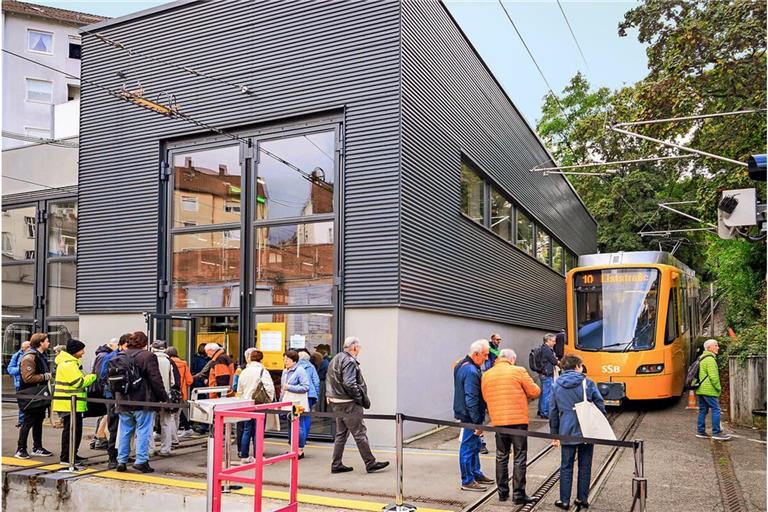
<point x="35" y="404"/>
<point x="301" y="399"/>
<point x="95" y="410"/>
<point x="592" y="421"/>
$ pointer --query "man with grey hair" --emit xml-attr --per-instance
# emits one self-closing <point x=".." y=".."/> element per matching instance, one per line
<point x="546" y="369"/>
<point x="708" y="392"/>
<point x="469" y="407"/>
<point x="347" y="393"/>
<point x="507" y="389"/>
<point x="171" y="382"/>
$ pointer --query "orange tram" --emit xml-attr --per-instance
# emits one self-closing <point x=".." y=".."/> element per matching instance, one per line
<point x="632" y="318"/>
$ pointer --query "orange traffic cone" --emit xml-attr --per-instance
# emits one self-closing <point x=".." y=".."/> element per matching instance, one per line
<point x="692" y="404"/>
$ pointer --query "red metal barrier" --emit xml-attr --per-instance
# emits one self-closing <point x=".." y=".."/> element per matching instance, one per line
<point x="220" y="474"/>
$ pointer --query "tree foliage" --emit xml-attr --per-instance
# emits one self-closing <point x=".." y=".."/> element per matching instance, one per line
<point x="703" y="57"/>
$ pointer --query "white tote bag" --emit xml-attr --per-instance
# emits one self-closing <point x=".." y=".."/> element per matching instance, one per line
<point x="592" y="421"/>
<point x="301" y="399"/>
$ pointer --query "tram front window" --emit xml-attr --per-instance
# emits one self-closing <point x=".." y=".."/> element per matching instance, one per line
<point x="616" y="309"/>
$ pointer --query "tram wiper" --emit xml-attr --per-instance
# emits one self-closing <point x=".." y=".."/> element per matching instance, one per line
<point x="628" y="343"/>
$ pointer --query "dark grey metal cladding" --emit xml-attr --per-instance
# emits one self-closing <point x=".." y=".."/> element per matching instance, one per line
<point x="298" y="58"/>
<point x="452" y="104"/>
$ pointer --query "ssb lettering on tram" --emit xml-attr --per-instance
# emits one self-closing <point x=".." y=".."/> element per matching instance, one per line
<point x="611" y="368"/>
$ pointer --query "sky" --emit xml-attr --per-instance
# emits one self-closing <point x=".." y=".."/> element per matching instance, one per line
<point x="611" y="60"/>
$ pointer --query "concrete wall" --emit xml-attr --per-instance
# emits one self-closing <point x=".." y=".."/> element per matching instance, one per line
<point x="408" y="356"/>
<point x="96" y="330"/>
<point x="40" y="166"/>
<point x="18" y="113"/>
<point x="747" y="388"/>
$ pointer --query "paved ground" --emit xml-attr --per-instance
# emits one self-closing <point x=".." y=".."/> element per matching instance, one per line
<point x="680" y="468"/>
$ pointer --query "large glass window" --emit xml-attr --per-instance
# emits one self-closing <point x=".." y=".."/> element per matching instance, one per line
<point x="616" y="309"/>
<point x="61" y="288"/>
<point x="295" y="176"/>
<point x="207" y="187"/>
<point x="62" y="229"/>
<point x="571" y="261"/>
<point x="501" y="215"/>
<point x="524" y="232"/>
<point x="19" y="290"/>
<point x="19" y="229"/>
<point x="557" y="256"/>
<point x="542" y="245"/>
<point x="206" y="270"/>
<point x="295" y="264"/>
<point x="472" y="193"/>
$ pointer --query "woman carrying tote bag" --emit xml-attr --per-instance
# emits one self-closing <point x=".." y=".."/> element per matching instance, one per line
<point x="294" y="387"/>
<point x="576" y="409"/>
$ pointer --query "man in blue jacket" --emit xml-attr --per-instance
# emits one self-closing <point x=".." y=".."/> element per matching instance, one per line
<point x="14" y="370"/>
<point x="469" y="407"/>
<point x="567" y="392"/>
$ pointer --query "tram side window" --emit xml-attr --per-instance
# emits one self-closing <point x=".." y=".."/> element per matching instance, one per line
<point x="672" y="330"/>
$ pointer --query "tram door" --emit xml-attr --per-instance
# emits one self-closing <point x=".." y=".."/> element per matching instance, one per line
<point x="177" y="330"/>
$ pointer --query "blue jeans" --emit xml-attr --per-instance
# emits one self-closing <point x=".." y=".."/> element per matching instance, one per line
<point x="305" y="422"/>
<point x="469" y="457"/>
<point x="706" y="403"/>
<point x="546" y="395"/>
<point x="249" y="436"/>
<point x="568" y="454"/>
<point x="142" y="423"/>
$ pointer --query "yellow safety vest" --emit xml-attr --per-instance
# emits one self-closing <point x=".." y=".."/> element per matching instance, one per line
<point x="70" y="381"/>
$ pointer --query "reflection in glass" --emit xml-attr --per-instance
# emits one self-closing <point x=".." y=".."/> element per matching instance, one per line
<point x="14" y="333"/>
<point x="501" y="210"/>
<point x="62" y="229"/>
<point x="19" y="290"/>
<point x="571" y="261"/>
<point x="294" y="264"/>
<point x="472" y="194"/>
<point x="206" y="270"/>
<point x="61" y="288"/>
<point x="206" y="187"/>
<point x="301" y="330"/>
<point x="295" y="176"/>
<point x="61" y="332"/>
<point x="19" y="230"/>
<point x="524" y="232"/>
<point x="557" y="256"/>
<point x="222" y="330"/>
<point x="542" y="246"/>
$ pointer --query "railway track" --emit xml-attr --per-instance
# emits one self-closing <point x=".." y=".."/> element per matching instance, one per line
<point x="553" y="478"/>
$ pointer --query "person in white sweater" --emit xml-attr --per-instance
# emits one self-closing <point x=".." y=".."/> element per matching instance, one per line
<point x="247" y="384"/>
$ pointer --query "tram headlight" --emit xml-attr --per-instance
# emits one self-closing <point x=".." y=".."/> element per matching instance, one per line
<point x="650" y="368"/>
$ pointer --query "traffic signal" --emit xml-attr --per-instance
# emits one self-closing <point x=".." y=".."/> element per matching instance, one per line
<point x="756" y="166"/>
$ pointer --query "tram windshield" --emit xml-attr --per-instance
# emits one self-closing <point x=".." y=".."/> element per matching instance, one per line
<point x="616" y="309"/>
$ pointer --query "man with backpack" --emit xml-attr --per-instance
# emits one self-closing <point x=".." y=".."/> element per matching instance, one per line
<point x="113" y="418"/>
<point x="100" y="441"/>
<point x="543" y="361"/>
<point x="708" y="390"/>
<point x="134" y="374"/>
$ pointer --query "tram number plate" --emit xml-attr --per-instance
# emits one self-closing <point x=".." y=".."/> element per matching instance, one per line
<point x="613" y="402"/>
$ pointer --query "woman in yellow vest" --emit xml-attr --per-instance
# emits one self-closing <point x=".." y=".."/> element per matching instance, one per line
<point x="70" y="380"/>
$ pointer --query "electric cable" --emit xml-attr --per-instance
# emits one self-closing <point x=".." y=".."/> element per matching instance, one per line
<point x="574" y="36"/>
<point x="37" y="184"/>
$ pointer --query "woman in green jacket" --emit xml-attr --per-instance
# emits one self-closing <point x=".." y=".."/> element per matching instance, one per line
<point x="70" y="380"/>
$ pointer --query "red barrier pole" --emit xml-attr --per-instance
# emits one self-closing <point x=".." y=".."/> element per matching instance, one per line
<point x="218" y="444"/>
<point x="258" y="455"/>
<point x="295" y="460"/>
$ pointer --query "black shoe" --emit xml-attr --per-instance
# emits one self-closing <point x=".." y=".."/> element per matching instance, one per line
<point x="21" y="454"/>
<point x="524" y="500"/>
<point x="301" y="456"/>
<point x="503" y="497"/>
<point x="341" y="469"/>
<point x="121" y="468"/>
<point x="377" y="466"/>
<point x="484" y="450"/>
<point x="564" y="506"/>
<point x="112" y="464"/>
<point x="581" y="504"/>
<point x="144" y="467"/>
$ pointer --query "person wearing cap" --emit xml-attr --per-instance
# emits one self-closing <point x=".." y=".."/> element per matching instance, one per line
<point x="70" y="380"/>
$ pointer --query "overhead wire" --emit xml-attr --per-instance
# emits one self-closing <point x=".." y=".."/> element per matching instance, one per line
<point x="573" y="35"/>
<point x="29" y="182"/>
<point x="38" y="141"/>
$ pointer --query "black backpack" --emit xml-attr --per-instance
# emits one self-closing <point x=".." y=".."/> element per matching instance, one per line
<point x="692" y="377"/>
<point x="534" y="360"/>
<point x="100" y="384"/>
<point x="123" y="376"/>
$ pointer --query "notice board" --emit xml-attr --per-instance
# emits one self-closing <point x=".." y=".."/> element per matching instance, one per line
<point x="270" y="339"/>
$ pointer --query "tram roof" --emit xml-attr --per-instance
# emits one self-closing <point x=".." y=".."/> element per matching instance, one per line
<point x="641" y="257"/>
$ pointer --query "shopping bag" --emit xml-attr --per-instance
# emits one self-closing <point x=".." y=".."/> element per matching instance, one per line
<point x="301" y="399"/>
<point x="272" y="423"/>
<point x="592" y="421"/>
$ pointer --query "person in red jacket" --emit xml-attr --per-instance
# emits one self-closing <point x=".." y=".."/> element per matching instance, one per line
<point x="506" y="390"/>
<point x="222" y="371"/>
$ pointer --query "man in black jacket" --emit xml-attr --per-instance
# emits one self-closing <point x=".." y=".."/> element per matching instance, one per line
<point x="137" y="418"/>
<point x="347" y="393"/>
<point x="547" y="361"/>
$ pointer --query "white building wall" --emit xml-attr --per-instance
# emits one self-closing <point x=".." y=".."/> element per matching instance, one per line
<point x="96" y="330"/>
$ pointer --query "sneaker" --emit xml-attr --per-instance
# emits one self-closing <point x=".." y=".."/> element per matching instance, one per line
<point x="484" y="450"/>
<point x="185" y="433"/>
<point x="144" y="467"/>
<point x="702" y="435"/>
<point x="100" y="444"/>
<point x="41" y="452"/>
<point x="474" y="486"/>
<point x="484" y="480"/>
<point x="721" y="436"/>
<point x="21" y="454"/>
<point x="165" y="454"/>
<point x="247" y="460"/>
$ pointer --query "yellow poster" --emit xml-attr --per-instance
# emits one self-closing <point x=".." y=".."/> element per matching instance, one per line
<point x="270" y="339"/>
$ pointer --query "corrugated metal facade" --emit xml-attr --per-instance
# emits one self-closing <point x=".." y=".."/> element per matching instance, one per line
<point x="453" y="105"/>
<point x="298" y="58"/>
<point x="405" y="242"/>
